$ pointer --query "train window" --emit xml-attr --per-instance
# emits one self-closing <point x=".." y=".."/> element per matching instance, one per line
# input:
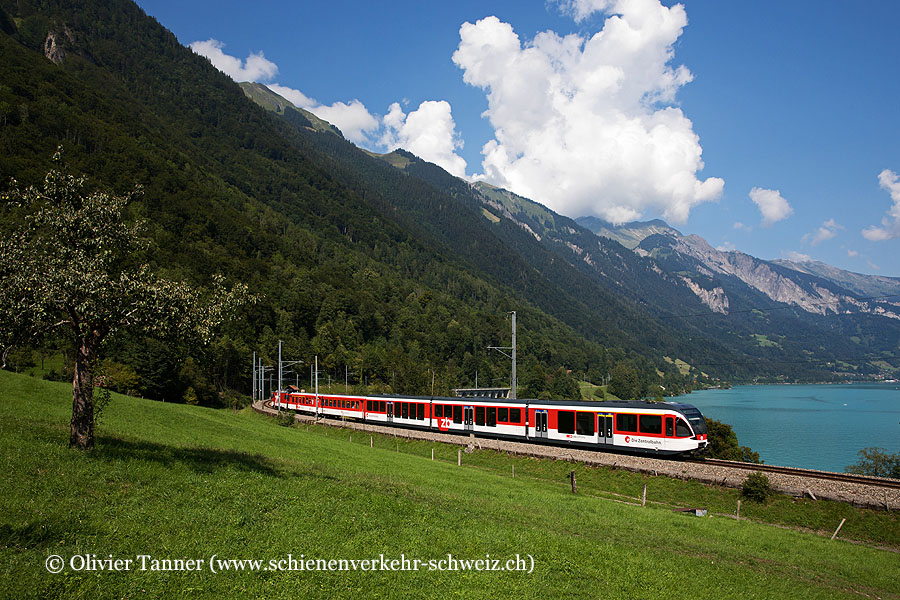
<point x="457" y="413"/>
<point x="382" y="406"/>
<point x="584" y="423"/>
<point x="492" y="416"/>
<point x="438" y="410"/>
<point x="503" y="415"/>
<point x="651" y="424"/>
<point x="420" y="413"/>
<point x="479" y="415"/>
<point x="404" y="410"/>
<point x="626" y="422"/>
<point x="565" y="421"/>
<point x="669" y="426"/>
<point x="397" y="408"/>
<point x="515" y="415"/>
<point x="682" y="429"/>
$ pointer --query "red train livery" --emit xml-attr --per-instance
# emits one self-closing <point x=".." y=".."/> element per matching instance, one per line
<point x="659" y="428"/>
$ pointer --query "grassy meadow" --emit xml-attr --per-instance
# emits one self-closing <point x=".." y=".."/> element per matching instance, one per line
<point x="178" y="482"/>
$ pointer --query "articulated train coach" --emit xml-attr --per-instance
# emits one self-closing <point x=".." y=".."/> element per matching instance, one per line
<point x="659" y="428"/>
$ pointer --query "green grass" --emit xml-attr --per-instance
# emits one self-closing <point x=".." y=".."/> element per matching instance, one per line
<point x="765" y="342"/>
<point x="683" y="367"/>
<point x="174" y="481"/>
<point x="490" y="216"/>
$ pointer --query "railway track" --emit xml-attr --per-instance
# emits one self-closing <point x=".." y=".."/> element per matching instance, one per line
<point x="879" y="482"/>
<point x="808" y="473"/>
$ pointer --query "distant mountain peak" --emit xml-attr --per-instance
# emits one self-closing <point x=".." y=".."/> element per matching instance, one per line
<point x="269" y="100"/>
<point x="630" y="234"/>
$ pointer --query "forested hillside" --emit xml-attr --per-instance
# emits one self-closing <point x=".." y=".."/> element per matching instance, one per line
<point x="342" y="269"/>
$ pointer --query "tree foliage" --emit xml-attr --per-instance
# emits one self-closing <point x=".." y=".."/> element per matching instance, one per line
<point x="723" y="443"/>
<point x="72" y="262"/>
<point x="876" y="462"/>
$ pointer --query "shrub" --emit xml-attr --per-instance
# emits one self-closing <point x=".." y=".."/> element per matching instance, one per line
<point x="286" y="418"/>
<point x="756" y="487"/>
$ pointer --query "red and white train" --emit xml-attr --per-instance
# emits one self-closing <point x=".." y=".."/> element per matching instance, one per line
<point x="659" y="428"/>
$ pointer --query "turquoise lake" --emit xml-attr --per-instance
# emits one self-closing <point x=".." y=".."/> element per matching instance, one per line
<point x="809" y="426"/>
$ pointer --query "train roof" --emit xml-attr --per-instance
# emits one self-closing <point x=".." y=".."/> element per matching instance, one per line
<point x="588" y="404"/>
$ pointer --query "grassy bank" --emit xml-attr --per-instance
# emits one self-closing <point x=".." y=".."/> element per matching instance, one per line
<point x="174" y="481"/>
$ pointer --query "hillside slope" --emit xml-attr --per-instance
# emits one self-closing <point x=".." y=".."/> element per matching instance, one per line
<point x="180" y="482"/>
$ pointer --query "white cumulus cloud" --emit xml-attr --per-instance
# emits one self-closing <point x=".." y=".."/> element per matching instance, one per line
<point x="890" y="229"/>
<point x="429" y="132"/>
<point x="256" y="67"/>
<point x="771" y="204"/>
<point x="826" y="231"/>
<point x="587" y="125"/>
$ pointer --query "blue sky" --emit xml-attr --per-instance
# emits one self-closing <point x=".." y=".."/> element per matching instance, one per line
<point x="767" y="127"/>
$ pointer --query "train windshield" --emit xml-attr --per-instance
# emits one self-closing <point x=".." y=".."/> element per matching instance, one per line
<point x="695" y="419"/>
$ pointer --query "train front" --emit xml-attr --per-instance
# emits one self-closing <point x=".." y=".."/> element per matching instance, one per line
<point x="698" y="426"/>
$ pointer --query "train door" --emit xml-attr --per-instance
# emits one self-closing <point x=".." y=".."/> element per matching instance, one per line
<point x="468" y="418"/>
<point x="390" y="412"/>
<point x="604" y="429"/>
<point x="540" y="423"/>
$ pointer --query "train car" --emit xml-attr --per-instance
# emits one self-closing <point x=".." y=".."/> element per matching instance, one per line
<point x="502" y="418"/>
<point x="645" y="427"/>
<point x="662" y="428"/>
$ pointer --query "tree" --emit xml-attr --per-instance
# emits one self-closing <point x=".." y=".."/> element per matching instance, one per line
<point x="624" y="382"/>
<point x="72" y="262"/>
<point x="877" y="463"/>
<point x="723" y="443"/>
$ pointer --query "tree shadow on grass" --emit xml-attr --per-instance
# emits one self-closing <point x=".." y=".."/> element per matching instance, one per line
<point x="42" y="534"/>
<point x="201" y="460"/>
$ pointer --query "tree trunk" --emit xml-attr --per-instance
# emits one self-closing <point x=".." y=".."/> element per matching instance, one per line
<point x="81" y="435"/>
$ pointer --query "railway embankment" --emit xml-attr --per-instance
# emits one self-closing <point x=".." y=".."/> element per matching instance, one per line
<point x="864" y="492"/>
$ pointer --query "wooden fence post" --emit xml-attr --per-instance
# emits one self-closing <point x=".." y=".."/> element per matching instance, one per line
<point x="459" y="457"/>
<point x="371" y="441"/>
<point x="739" y="511"/>
<point x="644" y="496"/>
<point x="574" y="485"/>
<point x="834" y="535"/>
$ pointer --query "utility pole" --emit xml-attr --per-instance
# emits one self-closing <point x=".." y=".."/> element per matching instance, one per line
<point x="254" y="376"/>
<point x="514" y="381"/>
<point x="280" y="388"/>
